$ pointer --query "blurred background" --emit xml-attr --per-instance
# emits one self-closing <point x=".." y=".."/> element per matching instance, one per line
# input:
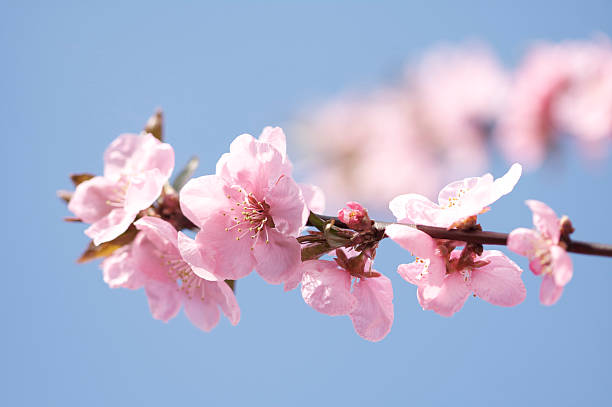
<point x="376" y="99"/>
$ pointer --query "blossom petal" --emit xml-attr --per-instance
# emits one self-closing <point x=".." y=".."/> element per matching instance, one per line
<point x="190" y="252"/>
<point x="202" y="311"/>
<point x="220" y="293"/>
<point x="314" y="197"/>
<point x="164" y="299"/>
<point x="499" y="282"/>
<point x="143" y="190"/>
<point x="561" y="265"/>
<point x="149" y="261"/>
<point x="417" y="273"/>
<point x="327" y="288"/>
<point x="484" y="196"/>
<point x="204" y="197"/>
<point x="451" y="296"/>
<point x="161" y="233"/>
<point x="276" y="137"/>
<point x="252" y="164"/>
<point x="119" y="270"/>
<point x="133" y="153"/>
<point x="421" y="245"/>
<point x="111" y="226"/>
<point x="118" y="154"/>
<point x="530" y="244"/>
<point x="414" y="208"/>
<point x="293" y="280"/>
<point x="90" y="199"/>
<point x="455" y="190"/>
<point x="287" y="206"/>
<point x="524" y="241"/>
<point x="227" y="256"/>
<point x="411" y="272"/>
<point x="373" y="316"/>
<point x="549" y="291"/>
<point x="477" y="194"/>
<point x="418" y="243"/>
<point x="545" y="220"/>
<point x="278" y="260"/>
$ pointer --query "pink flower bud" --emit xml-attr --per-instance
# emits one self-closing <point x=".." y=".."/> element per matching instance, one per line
<point x="355" y="216"/>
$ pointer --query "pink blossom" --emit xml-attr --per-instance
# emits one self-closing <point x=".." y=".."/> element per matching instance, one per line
<point x="495" y="278"/>
<point x="249" y="213"/>
<point x="459" y="91"/>
<point x="135" y="169"/>
<point x="326" y="287"/>
<point x="585" y="109"/>
<point x="564" y="87"/>
<point x="438" y="116"/>
<point x="357" y="142"/>
<point x="527" y="128"/>
<point x="456" y="201"/>
<point x="162" y="256"/>
<point x="545" y="251"/>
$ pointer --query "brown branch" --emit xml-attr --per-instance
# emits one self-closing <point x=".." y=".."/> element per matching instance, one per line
<point x="484" y="237"/>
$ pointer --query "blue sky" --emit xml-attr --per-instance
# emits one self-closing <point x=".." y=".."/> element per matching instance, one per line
<point x="74" y="75"/>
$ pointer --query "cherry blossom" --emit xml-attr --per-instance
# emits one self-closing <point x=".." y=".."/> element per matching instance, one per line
<point x="545" y="251"/>
<point x="492" y="277"/>
<point x="249" y="213"/>
<point x="326" y="287"/>
<point x="135" y="169"/>
<point x="563" y="87"/>
<point x="456" y="201"/>
<point x="459" y="91"/>
<point x="171" y="281"/>
<point x="585" y="109"/>
<point x="357" y="142"/>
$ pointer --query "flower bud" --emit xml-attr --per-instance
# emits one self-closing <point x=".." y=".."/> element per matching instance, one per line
<point x="355" y="216"/>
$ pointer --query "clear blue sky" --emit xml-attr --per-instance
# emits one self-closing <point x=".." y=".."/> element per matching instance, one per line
<point x="74" y="76"/>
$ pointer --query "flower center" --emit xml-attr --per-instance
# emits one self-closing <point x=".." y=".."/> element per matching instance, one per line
<point x="466" y="273"/>
<point x="117" y="197"/>
<point x="545" y="259"/>
<point x="250" y="216"/>
<point x="455" y="200"/>
<point x="186" y="280"/>
<point x="425" y="267"/>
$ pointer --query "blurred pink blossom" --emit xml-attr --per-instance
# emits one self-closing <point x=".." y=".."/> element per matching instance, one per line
<point x="564" y="87"/>
<point x="585" y="109"/>
<point x="436" y="122"/>
<point x="412" y="136"/>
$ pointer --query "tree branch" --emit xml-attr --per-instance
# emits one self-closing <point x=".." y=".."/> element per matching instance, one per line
<point x="482" y="237"/>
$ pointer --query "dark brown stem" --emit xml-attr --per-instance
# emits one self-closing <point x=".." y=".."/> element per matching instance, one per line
<point x="483" y="237"/>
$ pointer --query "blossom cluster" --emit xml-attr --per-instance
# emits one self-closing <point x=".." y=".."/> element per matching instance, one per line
<point x="448" y="107"/>
<point x="252" y="215"/>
